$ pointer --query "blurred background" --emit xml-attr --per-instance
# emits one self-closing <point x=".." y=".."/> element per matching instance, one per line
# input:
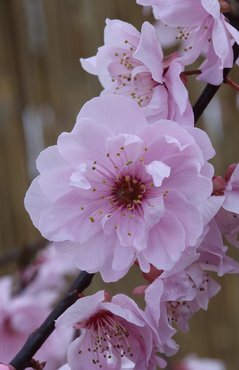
<point x="42" y="87"/>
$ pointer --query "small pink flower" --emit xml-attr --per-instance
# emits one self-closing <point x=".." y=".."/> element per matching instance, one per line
<point x="19" y="316"/>
<point x="203" y="28"/>
<point x="131" y="64"/>
<point x="115" y="189"/>
<point x="172" y="300"/>
<point x="48" y="271"/>
<point x="213" y="253"/>
<point x="111" y="333"/>
<point x="173" y="297"/>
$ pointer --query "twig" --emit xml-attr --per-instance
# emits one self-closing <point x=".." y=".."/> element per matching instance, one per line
<point x="38" y="337"/>
<point x="36" y="365"/>
<point x="192" y="72"/>
<point x="210" y="90"/>
<point x="231" y="83"/>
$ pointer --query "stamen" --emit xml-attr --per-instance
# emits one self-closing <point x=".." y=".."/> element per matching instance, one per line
<point x="106" y="332"/>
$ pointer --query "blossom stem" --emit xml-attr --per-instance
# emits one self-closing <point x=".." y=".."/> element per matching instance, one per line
<point x="192" y="72"/>
<point x="210" y="90"/>
<point x="233" y="84"/>
<point x="38" y="337"/>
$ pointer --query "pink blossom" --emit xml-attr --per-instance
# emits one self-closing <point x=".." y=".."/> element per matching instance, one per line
<point x="115" y="189"/>
<point x="112" y="331"/>
<point x="203" y="27"/>
<point x="131" y="63"/>
<point x="173" y="300"/>
<point x="54" y="349"/>
<point x="48" y="271"/>
<point x="173" y="297"/>
<point x="213" y="253"/>
<point x="19" y="316"/>
<point x="6" y="367"/>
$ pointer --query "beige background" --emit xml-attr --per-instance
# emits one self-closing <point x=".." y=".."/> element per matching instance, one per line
<point x="42" y="87"/>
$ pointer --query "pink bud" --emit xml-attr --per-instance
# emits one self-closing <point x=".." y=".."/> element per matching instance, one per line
<point x="107" y="297"/>
<point x="218" y="185"/>
<point x="224" y="6"/>
<point x="152" y="274"/>
<point x="140" y="289"/>
<point x="230" y="171"/>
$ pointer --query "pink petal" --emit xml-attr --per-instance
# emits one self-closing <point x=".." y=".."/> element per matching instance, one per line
<point x="149" y="52"/>
<point x="158" y="170"/>
<point x="81" y="310"/>
<point x="35" y="202"/>
<point x="125" y="114"/>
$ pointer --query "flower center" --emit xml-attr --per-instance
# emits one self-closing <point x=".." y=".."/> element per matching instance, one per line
<point x="128" y="192"/>
<point x="108" y="337"/>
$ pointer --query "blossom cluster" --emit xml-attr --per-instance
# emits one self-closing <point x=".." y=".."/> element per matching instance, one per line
<point x="132" y="184"/>
<point x="26" y="299"/>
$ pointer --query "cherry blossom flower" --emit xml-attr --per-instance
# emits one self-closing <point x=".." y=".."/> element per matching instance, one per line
<point x="200" y="23"/>
<point x="173" y="300"/>
<point x="174" y="296"/>
<point x="112" y="331"/>
<point x="6" y="367"/>
<point x="50" y="353"/>
<point x="213" y="253"/>
<point x="131" y="63"/>
<point x="48" y="271"/>
<point x="20" y="315"/>
<point x="116" y="189"/>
